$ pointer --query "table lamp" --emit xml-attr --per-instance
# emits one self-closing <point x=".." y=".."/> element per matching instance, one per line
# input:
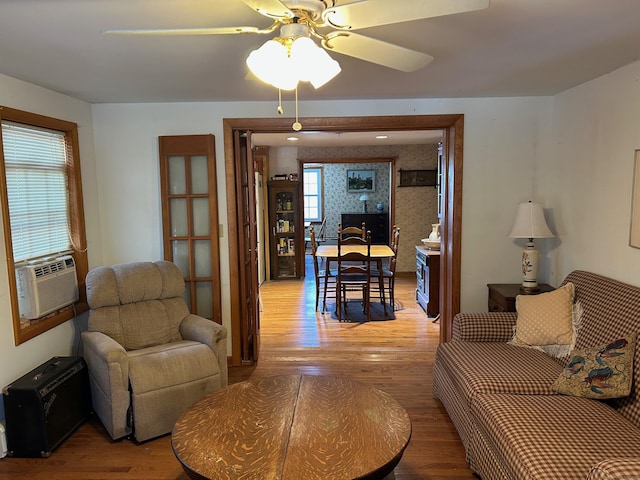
<point x="363" y="198"/>
<point x="530" y="224"/>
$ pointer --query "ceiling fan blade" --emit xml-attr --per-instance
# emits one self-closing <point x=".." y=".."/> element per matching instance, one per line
<point x="193" y="31"/>
<point x="270" y="8"/>
<point x="371" y="13"/>
<point x="376" y="51"/>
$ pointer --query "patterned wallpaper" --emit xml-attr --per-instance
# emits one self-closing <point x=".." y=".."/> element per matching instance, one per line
<point x="338" y="201"/>
<point x="415" y="207"/>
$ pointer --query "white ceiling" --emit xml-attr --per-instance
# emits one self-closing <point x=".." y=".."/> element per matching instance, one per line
<point x="512" y="48"/>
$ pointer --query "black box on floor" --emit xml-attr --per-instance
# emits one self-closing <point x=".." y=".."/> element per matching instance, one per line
<point x="45" y="406"/>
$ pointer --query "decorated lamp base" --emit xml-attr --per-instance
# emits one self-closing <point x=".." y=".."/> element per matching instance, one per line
<point x="529" y="269"/>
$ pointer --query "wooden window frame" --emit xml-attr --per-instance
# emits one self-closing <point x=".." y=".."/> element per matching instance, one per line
<point x="33" y="328"/>
<point x="320" y="193"/>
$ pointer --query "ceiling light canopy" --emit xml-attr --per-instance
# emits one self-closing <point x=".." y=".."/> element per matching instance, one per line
<point x="291" y="58"/>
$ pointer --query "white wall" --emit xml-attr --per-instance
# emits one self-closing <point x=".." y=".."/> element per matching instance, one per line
<point x="572" y="152"/>
<point x="502" y="147"/>
<point x="62" y="340"/>
<point x="588" y="178"/>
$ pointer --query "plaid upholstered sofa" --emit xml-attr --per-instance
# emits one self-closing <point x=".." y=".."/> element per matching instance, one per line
<point x="512" y="423"/>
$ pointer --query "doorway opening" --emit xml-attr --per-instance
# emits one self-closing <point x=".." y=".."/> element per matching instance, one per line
<point x="239" y="172"/>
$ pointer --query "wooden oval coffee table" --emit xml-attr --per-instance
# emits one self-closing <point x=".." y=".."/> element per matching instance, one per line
<point x="292" y="427"/>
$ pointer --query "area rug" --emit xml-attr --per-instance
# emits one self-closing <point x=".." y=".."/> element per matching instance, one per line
<point x="353" y="313"/>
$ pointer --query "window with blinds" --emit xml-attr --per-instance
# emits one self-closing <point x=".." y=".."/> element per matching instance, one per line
<point x="42" y="207"/>
<point x="37" y="190"/>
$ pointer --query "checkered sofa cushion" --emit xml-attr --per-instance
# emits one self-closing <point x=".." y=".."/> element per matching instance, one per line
<point x="611" y="309"/>
<point x="551" y="436"/>
<point x="477" y="371"/>
<point x="480" y="327"/>
<point x="615" y="468"/>
<point x="463" y="370"/>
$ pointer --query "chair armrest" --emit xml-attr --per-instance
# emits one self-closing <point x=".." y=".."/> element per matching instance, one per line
<point x="199" y="329"/>
<point x="616" y="468"/>
<point x="483" y="327"/>
<point x="108" y="367"/>
<point x="107" y="360"/>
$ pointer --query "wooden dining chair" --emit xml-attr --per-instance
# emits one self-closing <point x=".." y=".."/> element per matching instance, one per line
<point x="352" y="231"/>
<point x="322" y="233"/>
<point x="325" y="279"/>
<point x="383" y="276"/>
<point x="354" y="272"/>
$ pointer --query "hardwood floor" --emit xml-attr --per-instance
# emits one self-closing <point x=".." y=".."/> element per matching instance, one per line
<point x="394" y="355"/>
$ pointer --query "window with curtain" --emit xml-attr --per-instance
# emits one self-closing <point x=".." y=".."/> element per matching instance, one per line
<point x="41" y="200"/>
<point x="312" y="187"/>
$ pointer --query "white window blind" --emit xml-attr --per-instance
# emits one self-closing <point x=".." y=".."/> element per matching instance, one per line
<point x="35" y="163"/>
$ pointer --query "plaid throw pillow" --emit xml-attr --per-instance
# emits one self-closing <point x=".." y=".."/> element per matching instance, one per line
<point x="599" y="372"/>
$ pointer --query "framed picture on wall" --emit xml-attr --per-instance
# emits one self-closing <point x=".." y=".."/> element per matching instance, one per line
<point x="418" y="178"/>
<point x="634" y="235"/>
<point x="361" y="181"/>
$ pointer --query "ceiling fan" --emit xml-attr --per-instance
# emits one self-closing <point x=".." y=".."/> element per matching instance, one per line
<point x="315" y="17"/>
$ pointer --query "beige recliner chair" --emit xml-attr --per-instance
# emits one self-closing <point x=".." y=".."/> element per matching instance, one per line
<point x="148" y="358"/>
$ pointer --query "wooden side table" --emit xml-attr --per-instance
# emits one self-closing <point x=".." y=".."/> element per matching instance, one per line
<point x="502" y="296"/>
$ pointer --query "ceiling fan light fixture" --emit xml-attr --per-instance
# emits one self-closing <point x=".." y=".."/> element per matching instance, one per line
<point x="312" y="63"/>
<point x="326" y="69"/>
<point x="283" y="62"/>
<point x="270" y="63"/>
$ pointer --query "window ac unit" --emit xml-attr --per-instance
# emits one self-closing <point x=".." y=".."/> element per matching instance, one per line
<point x="46" y="287"/>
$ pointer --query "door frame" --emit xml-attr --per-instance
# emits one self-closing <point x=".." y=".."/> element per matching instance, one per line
<point x="452" y="126"/>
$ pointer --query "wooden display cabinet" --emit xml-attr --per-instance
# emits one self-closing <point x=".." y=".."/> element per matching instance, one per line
<point x="286" y="243"/>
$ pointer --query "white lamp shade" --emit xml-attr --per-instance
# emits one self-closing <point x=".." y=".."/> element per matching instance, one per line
<point x="318" y="66"/>
<point x="530" y="222"/>
<point x="271" y="64"/>
<point x="303" y="57"/>
<point x="364" y="197"/>
<point x="275" y="64"/>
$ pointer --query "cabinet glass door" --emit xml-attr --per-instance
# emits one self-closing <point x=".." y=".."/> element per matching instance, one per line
<point x="285" y="227"/>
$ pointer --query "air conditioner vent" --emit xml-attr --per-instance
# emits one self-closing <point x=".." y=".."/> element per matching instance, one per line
<point x="49" y="268"/>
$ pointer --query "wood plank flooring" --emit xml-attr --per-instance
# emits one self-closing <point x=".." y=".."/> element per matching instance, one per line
<point x="393" y="355"/>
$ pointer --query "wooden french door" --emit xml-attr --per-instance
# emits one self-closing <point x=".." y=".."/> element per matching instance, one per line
<point x="190" y="218"/>
<point x="247" y="245"/>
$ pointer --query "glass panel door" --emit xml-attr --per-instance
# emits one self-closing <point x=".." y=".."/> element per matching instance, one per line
<point x="190" y="218"/>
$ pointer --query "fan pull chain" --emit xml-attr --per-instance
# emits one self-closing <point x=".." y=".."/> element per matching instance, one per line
<point x="297" y="126"/>
<point x="280" y="109"/>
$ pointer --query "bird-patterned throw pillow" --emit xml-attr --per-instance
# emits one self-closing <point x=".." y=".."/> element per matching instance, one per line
<point x="600" y="372"/>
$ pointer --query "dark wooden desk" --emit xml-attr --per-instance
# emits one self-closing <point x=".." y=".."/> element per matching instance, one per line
<point x="376" y="223"/>
<point x="292" y="427"/>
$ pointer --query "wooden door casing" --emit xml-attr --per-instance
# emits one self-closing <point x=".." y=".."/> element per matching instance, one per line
<point x="249" y="321"/>
<point x="453" y="128"/>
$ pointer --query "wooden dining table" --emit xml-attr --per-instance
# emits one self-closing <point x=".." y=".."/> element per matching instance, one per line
<point x="378" y="252"/>
<point x="330" y="252"/>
